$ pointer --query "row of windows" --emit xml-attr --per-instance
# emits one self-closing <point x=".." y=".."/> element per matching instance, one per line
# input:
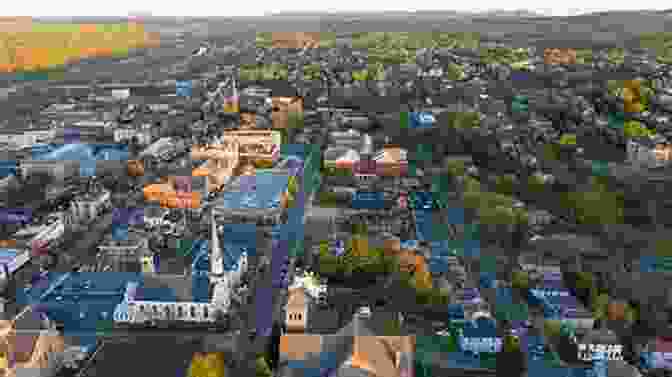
<point x="180" y="310"/>
<point x="295" y="316"/>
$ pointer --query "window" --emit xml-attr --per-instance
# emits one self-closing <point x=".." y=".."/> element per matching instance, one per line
<point x="205" y="312"/>
<point x="180" y="311"/>
<point x="192" y="312"/>
<point x="298" y="316"/>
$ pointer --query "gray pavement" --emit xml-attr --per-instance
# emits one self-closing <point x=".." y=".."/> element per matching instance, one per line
<point x="153" y="355"/>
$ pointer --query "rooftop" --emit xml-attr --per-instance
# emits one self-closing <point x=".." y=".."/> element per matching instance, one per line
<point x="264" y="193"/>
<point x="82" y="302"/>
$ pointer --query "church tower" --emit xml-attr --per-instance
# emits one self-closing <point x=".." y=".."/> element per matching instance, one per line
<point x="216" y="256"/>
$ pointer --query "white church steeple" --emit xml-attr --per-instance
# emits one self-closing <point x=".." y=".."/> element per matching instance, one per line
<point x="216" y="257"/>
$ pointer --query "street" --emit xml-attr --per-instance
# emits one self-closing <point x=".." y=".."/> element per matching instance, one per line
<point x="158" y="355"/>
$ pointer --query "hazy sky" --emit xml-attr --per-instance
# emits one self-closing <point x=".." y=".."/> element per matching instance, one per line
<point x="259" y="7"/>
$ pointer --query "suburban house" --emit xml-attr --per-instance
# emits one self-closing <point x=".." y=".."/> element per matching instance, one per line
<point x="355" y="350"/>
<point x="297" y="309"/>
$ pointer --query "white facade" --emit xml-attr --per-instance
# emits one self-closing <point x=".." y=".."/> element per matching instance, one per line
<point x="144" y="135"/>
<point x="147" y="311"/>
<point x="85" y="210"/>
<point x="59" y="169"/>
<point x="642" y="153"/>
<point x="158" y="148"/>
<point x="133" y="311"/>
<point x="27" y="138"/>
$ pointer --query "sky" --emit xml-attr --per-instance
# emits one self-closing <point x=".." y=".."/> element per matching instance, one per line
<point x="65" y="8"/>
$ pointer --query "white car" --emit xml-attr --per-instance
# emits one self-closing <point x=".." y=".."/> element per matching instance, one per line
<point x="364" y="311"/>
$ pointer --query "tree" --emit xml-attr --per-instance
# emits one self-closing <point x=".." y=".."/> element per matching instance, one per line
<point x="273" y="347"/>
<point x="520" y="280"/>
<point x="262" y="368"/>
<point x="599" y="307"/>
<point x="207" y="365"/>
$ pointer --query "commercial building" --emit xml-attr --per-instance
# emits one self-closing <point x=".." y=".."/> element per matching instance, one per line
<point x="26" y="137"/>
<point x="87" y="129"/>
<point x="260" y="201"/>
<point x="124" y="255"/>
<point x="144" y="134"/>
<point x="88" y="207"/>
<point x="60" y="163"/>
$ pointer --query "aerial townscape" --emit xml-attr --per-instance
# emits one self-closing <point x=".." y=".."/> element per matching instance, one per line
<point x="428" y="194"/>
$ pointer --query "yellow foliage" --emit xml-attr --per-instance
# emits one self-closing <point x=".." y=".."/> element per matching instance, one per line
<point x="207" y="365"/>
<point x="360" y="246"/>
<point x="45" y="46"/>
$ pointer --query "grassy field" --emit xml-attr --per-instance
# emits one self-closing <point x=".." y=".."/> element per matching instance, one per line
<point x="35" y="47"/>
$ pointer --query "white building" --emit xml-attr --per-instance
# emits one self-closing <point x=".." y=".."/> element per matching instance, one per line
<point x="649" y="152"/>
<point x="22" y="138"/>
<point x="88" y="207"/>
<point x="93" y="128"/>
<point x="225" y="273"/>
<point x="314" y="288"/>
<point x="124" y="253"/>
<point x="159" y="148"/>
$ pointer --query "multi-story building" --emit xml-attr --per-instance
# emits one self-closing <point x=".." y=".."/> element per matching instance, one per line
<point x="87" y="128"/>
<point x="226" y="265"/>
<point x="145" y="134"/>
<point x="26" y="137"/>
<point x="88" y="207"/>
<point x="125" y="255"/>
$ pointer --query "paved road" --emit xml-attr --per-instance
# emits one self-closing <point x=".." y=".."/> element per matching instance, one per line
<point x="166" y="356"/>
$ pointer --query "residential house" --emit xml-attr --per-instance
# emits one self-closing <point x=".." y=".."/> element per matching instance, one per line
<point x="340" y="156"/>
<point x="297" y="309"/>
<point x="30" y="343"/>
<point x="355" y="350"/>
<point x="391" y="160"/>
<point x="87" y="128"/>
<point x="125" y="255"/>
<point x="145" y="134"/>
<point x="282" y="107"/>
<point x="89" y="206"/>
<point x="365" y="170"/>
<point x="649" y="152"/>
<point x="350" y="138"/>
<point x="25" y="137"/>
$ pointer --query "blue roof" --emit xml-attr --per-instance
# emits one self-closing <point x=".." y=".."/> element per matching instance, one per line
<point x="71" y="152"/>
<point x="264" y="195"/>
<point x="79" y="300"/>
<point x="201" y="260"/>
<point x="112" y="154"/>
<point x="8" y="253"/>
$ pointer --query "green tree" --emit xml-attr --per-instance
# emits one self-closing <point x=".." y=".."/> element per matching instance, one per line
<point x="295" y="120"/>
<point x="392" y="327"/>
<point x="552" y="329"/>
<point x="599" y="307"/>
<point x="511" y="343"/>
<point x="456" y="168"/>
<point x="568" y="139"/>
<point x="454" y="72"/>
<point x="292" y="185"/>
<point x="262" y="368"/>
<point x="535" y="184"/>
<point x="520" y="280"/>
<point x="633" y="128"/>
<point x="551" y="152"/>
<point x="505" y="184"/>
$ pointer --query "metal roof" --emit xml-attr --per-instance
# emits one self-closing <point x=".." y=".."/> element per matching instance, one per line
<point x="264" y="194"/>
